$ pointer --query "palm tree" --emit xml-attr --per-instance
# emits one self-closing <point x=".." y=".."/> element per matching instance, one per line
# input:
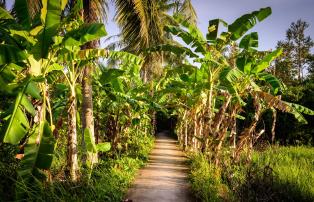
<point x="142" y="23"/>
<point x="94" y="11"/>
<point x="2" y="3"/>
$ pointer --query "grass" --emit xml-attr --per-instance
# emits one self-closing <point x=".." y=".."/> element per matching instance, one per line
<point x="206" y="179"/>
<point x="109" y="180"/>
<point x="276" y="174"/>
<point x="293" y="171"/>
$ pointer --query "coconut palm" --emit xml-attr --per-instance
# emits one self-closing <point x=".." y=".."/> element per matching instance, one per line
<point x="94" y="11"/>
<point x="142" y="23"/>
<point x="2" y="3"/>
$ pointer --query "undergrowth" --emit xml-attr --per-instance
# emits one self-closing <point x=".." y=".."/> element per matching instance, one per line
<point x="109" y="180"/>
<point x="206" y="179"/>
<point x="276" y="174"/>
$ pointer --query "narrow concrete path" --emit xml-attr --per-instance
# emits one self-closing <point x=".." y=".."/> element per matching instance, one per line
<point x="165" y="176"/>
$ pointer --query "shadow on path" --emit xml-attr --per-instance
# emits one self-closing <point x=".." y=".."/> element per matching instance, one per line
<point x="164" y="179"/>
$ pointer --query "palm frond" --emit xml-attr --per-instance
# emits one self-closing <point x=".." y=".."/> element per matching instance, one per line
<point x="188" y="11"/>
<point x="2" y="4"/>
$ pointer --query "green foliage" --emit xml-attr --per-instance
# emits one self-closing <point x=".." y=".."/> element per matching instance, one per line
<point x="109" y="180"/>
<point x="50" y="17"/>
<point x="265" y="62"/>
<point x="296" y="133"/>
<point x="4" y="14"/>
<point x="11" y="54"/>
<point x="192" y="37"/>
<point x="291" y="66"/>
<point x="241" y="25"/>
<point x="22" y="13"/>
<point x="90" y="144"/>
<point x="206" y="180"/>
<point x="38" y="154"/>
<point x="18" y="124"/>
<point x="249" y="41"/>
<point x="103" y="147"/>
<point x="41" y="61"/>
<point x="84" y="34"/>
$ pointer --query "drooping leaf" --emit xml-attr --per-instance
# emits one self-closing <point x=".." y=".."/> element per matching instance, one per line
<point x="38" y="154"/>
<point x="46" y="148"/>
<point x="4" y="14"/>
<point x="89" y="142"/>
<point x="50" y="17"/>
<point x="249" y="41"/>
<point x="191" y="39"/>
<point x="273" y="101"/>
<point x="21" y="12"/>
<point x="11" y="54"/>
<point x="125" y="57"/>
<point x="295" y="109"/>
<point x="273" y="81"/>
<point x="17" y="128"/>
<point x="177" y="50"/>
<point x="302" y="109"/>
<point x="84" y="55"/>
<point x="265" y="62"/>
<point x="18" y="125"/>
<point x="298" y="110"/>
<point x="84" y="34"/>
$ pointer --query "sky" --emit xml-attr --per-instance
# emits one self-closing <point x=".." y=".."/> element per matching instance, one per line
<point x="270" y="30"/>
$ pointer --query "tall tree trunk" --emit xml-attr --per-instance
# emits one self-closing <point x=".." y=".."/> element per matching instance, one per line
<point x="87" y="111"/>
<point x="72" y="164"/>
<point x="87" y="108"/>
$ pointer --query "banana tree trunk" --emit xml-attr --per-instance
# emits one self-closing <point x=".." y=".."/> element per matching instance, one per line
<point x="72" y="164"/>
<point x="196" y="128"/>
<point x="246" y="137"/>
<point x="273" y="132"/>
<point x="184" y="135"/>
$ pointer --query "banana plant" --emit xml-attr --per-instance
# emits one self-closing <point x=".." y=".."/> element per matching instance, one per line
<point x="44" y="49"/>
<point x="122" y="99"/>
<point x="218" y="88"/>
<point x="29" y="47"/>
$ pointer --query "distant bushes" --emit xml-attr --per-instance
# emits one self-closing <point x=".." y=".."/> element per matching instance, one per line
<point x="277" y="174"/>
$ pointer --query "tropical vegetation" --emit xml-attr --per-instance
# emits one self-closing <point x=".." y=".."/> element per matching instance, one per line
<point x="77" y="121"/>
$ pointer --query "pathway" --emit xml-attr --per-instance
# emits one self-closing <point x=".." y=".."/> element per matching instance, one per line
<point x="165" y="176"/>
